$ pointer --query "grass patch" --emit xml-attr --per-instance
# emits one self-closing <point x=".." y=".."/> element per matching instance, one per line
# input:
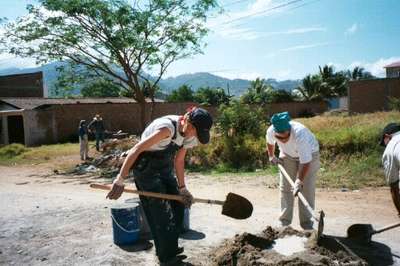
<point x="18" y="154"/>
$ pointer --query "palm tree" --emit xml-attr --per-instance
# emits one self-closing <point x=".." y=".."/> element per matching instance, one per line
<point x="310" y="88"/>
<point x="358" y="73"/>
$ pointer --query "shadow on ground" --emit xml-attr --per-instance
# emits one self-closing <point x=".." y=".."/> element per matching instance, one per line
<point x="192" y="235"/>
<point x="374" y="253"/>
<point x="141" y="245"/>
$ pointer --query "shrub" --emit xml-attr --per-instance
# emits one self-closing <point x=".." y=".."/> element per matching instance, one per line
<point x="12" y="150"/>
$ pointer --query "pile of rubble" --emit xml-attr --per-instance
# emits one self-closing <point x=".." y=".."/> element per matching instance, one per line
<point x="110" y="160"/>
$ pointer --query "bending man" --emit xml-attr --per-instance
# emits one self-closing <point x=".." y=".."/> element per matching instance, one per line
<point x="159" y="154"/>
<point x="299" y="155"/>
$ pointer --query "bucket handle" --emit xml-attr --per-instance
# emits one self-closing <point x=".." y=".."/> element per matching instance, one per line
<point x="123" y="229"/>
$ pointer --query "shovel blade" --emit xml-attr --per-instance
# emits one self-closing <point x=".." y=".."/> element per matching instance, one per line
<point x="321" y="224"/>
<point x="237" y="207"/>
<point x="360" y="232"/>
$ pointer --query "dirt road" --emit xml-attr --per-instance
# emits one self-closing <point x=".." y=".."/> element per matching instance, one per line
<point x="54" y="220"/>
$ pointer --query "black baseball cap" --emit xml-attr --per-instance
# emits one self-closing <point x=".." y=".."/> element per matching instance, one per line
<point x="202" y="121"/>
<point x="389" y="129"/>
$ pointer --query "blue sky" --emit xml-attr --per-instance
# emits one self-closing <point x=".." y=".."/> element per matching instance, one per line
<point x="284" y="39"/>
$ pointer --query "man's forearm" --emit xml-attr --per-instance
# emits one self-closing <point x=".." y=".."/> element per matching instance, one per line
<point x="303" y="170"/>
<point x="394" y="190"/>
<point x="180" y="172"/>
<point x="270" y="150"/>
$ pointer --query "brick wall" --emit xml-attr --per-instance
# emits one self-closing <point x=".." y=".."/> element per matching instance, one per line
<point x="297" y="109"/>
<point x="59" y="123"/>
<point x="367" y="96"/>
<point x="22" y="85"/>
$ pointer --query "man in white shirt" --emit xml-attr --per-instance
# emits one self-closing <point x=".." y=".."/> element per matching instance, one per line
<point x="391" y="160"/>
<point x="299" y="155"/>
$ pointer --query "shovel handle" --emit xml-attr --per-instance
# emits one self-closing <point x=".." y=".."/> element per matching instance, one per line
<point x="386" y="228"/>
<point x="157" y="195"/>
<point x="299" y="194"/>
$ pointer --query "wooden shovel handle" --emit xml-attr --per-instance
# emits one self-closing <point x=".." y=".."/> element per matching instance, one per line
<point x="299" y="194"/>
<point x="157" y="195"/>
<point x="386" y="228"/>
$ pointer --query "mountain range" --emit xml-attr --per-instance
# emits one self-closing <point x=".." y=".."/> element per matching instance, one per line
<point x="202" y="79"/>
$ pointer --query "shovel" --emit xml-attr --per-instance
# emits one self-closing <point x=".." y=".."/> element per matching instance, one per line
<point x="317" y="217"/>
<point x="235" y="206"/>
<point x="363" y="232"/>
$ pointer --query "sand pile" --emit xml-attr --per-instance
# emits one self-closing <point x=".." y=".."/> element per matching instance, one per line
<point x="284" y="246"/>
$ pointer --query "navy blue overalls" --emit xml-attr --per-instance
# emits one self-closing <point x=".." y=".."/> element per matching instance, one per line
<point x="154" y="171"/>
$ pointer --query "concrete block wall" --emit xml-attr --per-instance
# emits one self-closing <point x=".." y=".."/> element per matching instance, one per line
<point x="22" y="85"/>
<point x="367" y="96"/>
<point x="59" y="123"/>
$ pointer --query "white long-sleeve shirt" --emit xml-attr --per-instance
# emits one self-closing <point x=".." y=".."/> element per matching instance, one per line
<point x="301" y="144"/>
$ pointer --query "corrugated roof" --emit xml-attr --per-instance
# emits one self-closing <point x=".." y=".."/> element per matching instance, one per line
<point x="394" y="64"/>
<point x="32" y="103"/>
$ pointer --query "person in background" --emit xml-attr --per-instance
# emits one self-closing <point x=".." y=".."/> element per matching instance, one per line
<point x="155" y="160"/>
<point x="299" y="155"/>
<point x="390" y="139"/>
<point x="83" y="140"/>
<point x="97" y="125"/>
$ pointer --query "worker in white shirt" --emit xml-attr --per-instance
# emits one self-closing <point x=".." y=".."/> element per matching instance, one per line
<point x="391" y="160"/>
<point x="299" y="155"/>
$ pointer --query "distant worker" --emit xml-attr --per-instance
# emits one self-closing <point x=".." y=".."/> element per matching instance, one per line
<point x="155" y="160"/>
<point x="97" y="125"/>
<point x="390" y="139"/>
<point x="83" y="140"/>
<point x="299" y="155"/>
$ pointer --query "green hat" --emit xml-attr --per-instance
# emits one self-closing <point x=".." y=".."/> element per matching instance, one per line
<point x="280" y="121"/>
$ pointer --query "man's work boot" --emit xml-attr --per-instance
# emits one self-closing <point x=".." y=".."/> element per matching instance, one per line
<point x="175" y="261"/>
<point x="180" y="250"/>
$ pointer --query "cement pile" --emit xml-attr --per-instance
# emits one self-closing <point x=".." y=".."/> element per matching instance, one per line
<point x="281" y="247"/>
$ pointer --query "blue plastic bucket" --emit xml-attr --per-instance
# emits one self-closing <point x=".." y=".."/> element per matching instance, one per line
<point x="125" y="224"/>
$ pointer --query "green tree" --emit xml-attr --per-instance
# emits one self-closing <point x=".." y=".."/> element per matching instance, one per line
<point x="261" y="93"/>
<point x="211" y="96"/>
<point x="334" y="84"/>
<point x="241" y="127"/>
<point x="114" y="38"/>
<point x="74" y="78"/>
<point x="358" y="73"/>
<point x="101" y="88"/>
<point x="258" y="92"/>
<point x="310" y="89"/>
<point x="183" y="94"/>
<point x="281" y="96"/>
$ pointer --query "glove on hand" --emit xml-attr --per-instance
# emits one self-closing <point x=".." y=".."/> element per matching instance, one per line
<point x="117" y="188"/>
<point x="274" y="160"/>
<point x="298" y="186"/>
<point x="187" y="197"/>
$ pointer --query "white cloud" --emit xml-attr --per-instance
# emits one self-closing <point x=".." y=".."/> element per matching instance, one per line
<point x="295" y="31"/>
<point x="248" y="34"/>
<point x="240" y="75"/>
<point x="376" y="68"/>
<point x="336" y="66"/>
<point x="10" y="61"/>
<point x="228" y="22"/>
<point x="352" y="29"/>
<point x="239" y="34"/>
<point x="302" y="47"/>
<point x="282" y="74"/>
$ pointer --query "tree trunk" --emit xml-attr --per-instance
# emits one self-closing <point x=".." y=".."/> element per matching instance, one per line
<point x="143" y="118"/>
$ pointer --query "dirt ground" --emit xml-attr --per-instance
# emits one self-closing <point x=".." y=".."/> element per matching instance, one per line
<point x="49" y="219"/>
